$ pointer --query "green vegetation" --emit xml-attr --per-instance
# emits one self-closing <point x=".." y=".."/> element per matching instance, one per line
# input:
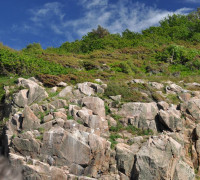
<point x="173" y="98"/>
<point x="40" y="137"/>
<point x="79" y="121"/>
<point x="113" y="138"/>
<point x="168" y="51"/>
<point x="13" y="136"/>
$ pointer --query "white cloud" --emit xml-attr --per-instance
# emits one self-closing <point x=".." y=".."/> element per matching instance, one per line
<point x="49" y="10"/>
<point x="117" y="17"/>
<point x="192" y="1"/>
<point x="93" y="3"/>
<point x="120" y="16"/>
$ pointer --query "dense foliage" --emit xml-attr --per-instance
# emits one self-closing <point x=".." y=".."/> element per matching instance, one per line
<point x="168" y="50"/>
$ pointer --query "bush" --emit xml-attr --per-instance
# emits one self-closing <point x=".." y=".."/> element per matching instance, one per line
<point x="128" y="93"/>
<point x="21" y="64"/>
<point x="177" y="54"/>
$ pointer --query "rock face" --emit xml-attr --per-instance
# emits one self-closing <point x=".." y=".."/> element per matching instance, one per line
<point x="30" y="121"/>
<point x="78" y="135"/>
<point x="125" y="159"/>
<point x="170" y="120"/>
<point x="33" y="93"/>
<point x="160" y="158"/>
<point x="95" y="104"/>
<point x="141" y="115"/>
<point x="192" y="107"/>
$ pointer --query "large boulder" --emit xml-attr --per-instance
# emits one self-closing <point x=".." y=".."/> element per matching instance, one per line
<point x="85" y="89"/>
<point x="125" y="158"/>
<point x="174" y="88"/>
<point x="68" y="147"/>
<point x="81" y="151"/>
<point x="156" y="85"/>
<point x="170" y="120"/>
<point x="95" y="104"/>
<point x="66" y="92"/>
<point x="100" y="155"/>
<point x="141" y="115"/>
<point x="33" y="93"/>
<point x="30" y="121"/>
<point x="161" y="158"/>
<point x="192" y="107"/>
<point x="27" y="147"/>
<point x="89" y="88"/>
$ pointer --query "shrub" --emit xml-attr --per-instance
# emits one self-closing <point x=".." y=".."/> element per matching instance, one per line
<point x="128" y="93"/>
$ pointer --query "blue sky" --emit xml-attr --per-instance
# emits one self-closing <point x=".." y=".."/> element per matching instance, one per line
<point x="51" y="23"/>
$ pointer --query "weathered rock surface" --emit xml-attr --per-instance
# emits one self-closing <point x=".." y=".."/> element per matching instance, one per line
<point x="32" y="93"/>
<point x="30" y="121"/>
<point x="170" y="120"/>
<point x="160" y="158"/>
<point x="192" y="107"/>
<point x="95" y="104"/>
<point x="141" y="115"/>
<point x="69" y="136"/>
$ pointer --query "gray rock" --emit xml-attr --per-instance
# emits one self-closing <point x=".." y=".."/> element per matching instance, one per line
<point x="141" y="115"/>
<point x="116" y="98"/>
<point x="62" y="84"/>
<point x="173" y="88"/>
<point x="171" y="120"/>
<point x="35" y="93"/>
<point x="163" y="105"/>
<point x="140" y="81"/>
<point x="76" y="169"/>
<point x="66" y="92"/>
<point x="89" y="88"/>
<point x="30" y="121"/>
<point x="53" y="89"/>
<point x="21" y="98"/>
<point x="36" y="109"/>
<point x="26" y="146"/>
<point x="156" y="85"/>
<point x="59" y="103"/>
<point x="47" y="118"/>
<point x="192" y="107"/>
<point x="64" y="145"/>
<point x="95" y="104"/>
<point x="85" y="88"/>
<point x="125" y="158"/>
<point x="183" y="172"/>
<point x="160" y="158"/>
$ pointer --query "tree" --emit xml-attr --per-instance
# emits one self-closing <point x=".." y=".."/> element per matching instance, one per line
<point x="33" y="48"/>
<point x="100" y="32"/>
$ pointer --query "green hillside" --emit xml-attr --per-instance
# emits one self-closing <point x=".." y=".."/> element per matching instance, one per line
<point x="170" y="51"/>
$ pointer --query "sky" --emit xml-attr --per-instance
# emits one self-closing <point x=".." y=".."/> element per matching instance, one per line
<point x="53" y="22"/>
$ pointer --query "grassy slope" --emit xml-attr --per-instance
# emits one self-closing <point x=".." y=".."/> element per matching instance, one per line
<point x="168" y="52"/>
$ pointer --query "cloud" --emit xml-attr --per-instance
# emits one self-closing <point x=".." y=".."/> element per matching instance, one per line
<point x="47" y="12"/>
<point x="120" y="16"/>
<point x="192" y="1"/>
<point x="124" y="14"/>
<point x="93" y="3"/>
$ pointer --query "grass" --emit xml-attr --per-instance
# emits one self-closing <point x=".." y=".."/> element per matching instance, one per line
<point x="13" y="136"/>
<point x="6" y="81"/>
<point x="132" y="129"/>
<point x="173" y="98"/>
<point x="113" y="138"/>
<point x="139" y="132"/>
<point x="41" y="130"/>
<point x="79" y="121"/>
<point x="107" y="110"/>
<point x="42" y="114"/>
<point x="40" y="137"/>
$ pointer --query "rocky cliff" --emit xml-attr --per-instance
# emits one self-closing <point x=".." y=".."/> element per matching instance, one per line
<point x="75" y="132"/>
